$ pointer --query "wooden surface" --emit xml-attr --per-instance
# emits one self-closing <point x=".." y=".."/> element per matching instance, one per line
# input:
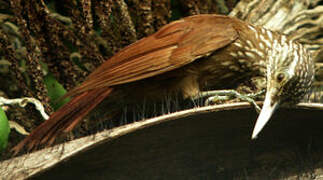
<point x="196" y="144"/>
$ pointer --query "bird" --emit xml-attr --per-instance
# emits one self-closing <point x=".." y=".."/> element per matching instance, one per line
<point x="186" y="57"/>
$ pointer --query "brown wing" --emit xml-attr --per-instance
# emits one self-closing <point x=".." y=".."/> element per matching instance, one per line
<point x="173" y="46"/>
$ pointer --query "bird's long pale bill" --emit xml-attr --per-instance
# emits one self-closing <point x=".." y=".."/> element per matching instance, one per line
<point x="267" y="110"/>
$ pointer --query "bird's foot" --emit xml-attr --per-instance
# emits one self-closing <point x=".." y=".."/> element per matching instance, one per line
<point x="221" y="95"/>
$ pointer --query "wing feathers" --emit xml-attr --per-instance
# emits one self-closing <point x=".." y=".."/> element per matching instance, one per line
<point x="135" y="70"/>
<point x="173" y="46"/>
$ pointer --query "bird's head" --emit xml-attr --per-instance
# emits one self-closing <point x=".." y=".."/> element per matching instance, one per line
<point x="290" y="74"/>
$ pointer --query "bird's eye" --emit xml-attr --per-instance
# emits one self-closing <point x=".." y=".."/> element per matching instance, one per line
<point x="280" y="77"/>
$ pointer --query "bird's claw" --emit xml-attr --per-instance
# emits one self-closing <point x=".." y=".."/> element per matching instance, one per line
<point x="221" y="95"/>
<point x="214" y="99"/>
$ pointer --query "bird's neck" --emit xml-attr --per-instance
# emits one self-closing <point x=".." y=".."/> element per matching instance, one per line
<point x="255" y="46"/>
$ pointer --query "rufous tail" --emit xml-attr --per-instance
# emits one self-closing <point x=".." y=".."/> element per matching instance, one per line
<point x="64" y="119"/>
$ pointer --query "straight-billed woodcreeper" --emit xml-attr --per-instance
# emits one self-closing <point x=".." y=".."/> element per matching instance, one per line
<point x="184" y="57"/>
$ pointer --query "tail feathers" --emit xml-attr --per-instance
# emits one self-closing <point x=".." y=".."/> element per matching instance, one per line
<point x="63" y="120"/>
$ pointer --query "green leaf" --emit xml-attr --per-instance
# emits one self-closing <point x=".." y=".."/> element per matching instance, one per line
<point x="4" y="130"/>
<point x="55" y="91"/>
